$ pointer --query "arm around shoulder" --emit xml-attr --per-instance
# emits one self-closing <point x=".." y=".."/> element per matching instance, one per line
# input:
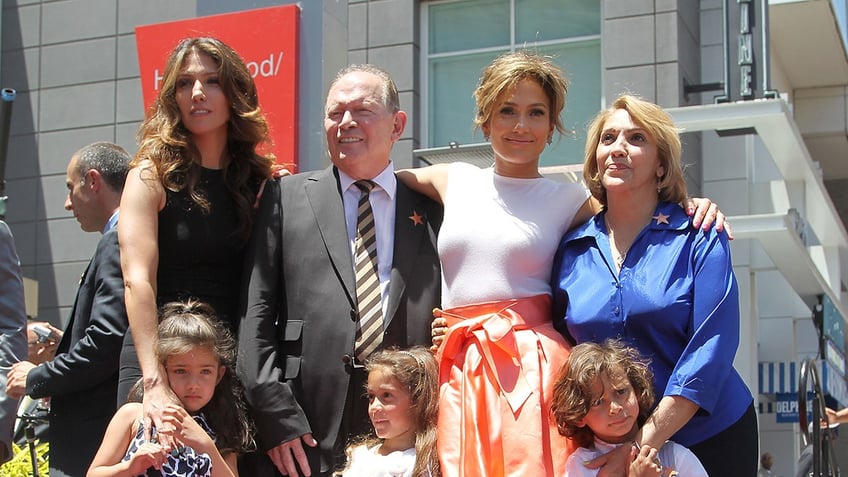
<point x="431" y="181"/>
<point x="586" y="211"/>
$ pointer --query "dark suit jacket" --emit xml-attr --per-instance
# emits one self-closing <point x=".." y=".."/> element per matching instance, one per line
<point x="82" y="379"/>
<point x="300" y="295"/>
<point x="13" y="341"/>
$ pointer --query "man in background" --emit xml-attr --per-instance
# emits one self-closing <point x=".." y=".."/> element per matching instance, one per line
<point x="13" y="342"/>
<point x="82" y="379"/>
<point x="42" y="342"/>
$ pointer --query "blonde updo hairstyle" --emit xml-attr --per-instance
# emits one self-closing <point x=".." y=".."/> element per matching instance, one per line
<point x="507" y="71"/>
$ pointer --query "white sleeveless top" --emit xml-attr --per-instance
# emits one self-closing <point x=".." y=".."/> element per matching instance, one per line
<point x="500" y="234"/>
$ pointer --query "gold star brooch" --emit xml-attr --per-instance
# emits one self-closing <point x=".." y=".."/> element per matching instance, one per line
<point x="661" y="218"/>
<point x="416" y="219"/>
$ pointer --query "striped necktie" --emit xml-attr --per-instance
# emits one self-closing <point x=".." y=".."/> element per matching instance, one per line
<point x="369" y="326"/>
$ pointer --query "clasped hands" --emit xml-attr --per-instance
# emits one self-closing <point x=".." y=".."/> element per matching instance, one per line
<point x="177" y="430"/>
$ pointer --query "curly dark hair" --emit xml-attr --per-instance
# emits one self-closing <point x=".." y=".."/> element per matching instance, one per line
<point x="189" y="325"/>
<point x="167" y="144"/>
<point x="573" y="394"/>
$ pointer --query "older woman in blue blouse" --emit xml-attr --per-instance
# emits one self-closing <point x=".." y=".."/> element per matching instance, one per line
<point x="637" y="271"/>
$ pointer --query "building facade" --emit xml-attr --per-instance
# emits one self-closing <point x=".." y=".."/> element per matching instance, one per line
<point x="763" y="109"/>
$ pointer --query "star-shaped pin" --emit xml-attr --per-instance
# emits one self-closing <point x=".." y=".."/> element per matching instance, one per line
<point x="661" y="218"/>
<point x="416" y="219"/>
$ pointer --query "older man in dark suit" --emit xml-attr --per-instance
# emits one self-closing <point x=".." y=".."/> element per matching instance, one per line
<point x="82" y="380"/>
<point x="304" y="333"/>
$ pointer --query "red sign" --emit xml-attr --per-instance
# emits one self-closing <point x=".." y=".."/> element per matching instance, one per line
<point x="267" y="40"/>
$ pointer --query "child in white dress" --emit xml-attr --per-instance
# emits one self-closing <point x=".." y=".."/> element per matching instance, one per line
<point x="403" y="397"/>
<point x="602" y="396"/>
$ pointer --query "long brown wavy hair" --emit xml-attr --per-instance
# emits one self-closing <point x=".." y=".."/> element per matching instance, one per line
<point x="168" y="145"/>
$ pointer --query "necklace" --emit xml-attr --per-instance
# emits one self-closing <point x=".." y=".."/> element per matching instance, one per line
<point x="618" y="255"/>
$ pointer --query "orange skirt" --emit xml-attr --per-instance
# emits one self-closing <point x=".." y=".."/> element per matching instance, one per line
<point x="497" y="367"/>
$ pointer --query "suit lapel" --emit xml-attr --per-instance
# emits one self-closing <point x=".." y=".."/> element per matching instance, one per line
<point x="324" y="197"/>
<point x="408" y="236"/>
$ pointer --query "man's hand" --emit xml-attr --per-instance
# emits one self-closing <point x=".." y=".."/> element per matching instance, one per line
<point x="705" y="214"/>
<point x="284" y="456"/>
<point x="612" y="464"/>
<point x="16" y="379"/>
<point x="156" y="398"/>
<point x="42" y="348"/>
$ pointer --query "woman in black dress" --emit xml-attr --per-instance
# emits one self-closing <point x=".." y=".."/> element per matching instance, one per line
<point x="188" y="203"/>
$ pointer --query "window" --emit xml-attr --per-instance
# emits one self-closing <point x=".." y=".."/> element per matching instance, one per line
<point x="463" y="36"/>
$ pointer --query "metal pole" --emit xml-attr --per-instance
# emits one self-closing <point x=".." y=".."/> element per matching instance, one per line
<point x="29" y="432"/>
<point x="7" y="95"/>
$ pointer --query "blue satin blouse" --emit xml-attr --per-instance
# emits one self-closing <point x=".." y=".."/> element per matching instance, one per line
<point x="675" y="300"/>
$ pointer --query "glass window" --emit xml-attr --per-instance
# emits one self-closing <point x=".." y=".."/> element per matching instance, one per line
<point x="544" y="20"/>
<point x="466" y="35"/>
<point x="455" y="78"/>
<point x="582" y="64"/>
<point x="468" y="25"/>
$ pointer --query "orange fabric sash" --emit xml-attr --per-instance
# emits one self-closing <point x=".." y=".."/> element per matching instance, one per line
<point x="496" y="370"/>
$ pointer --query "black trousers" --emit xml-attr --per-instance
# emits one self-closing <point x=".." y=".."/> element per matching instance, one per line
<point x="733" y="451"/>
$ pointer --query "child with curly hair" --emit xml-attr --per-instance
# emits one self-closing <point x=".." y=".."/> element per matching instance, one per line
<point x="602" y="396"/>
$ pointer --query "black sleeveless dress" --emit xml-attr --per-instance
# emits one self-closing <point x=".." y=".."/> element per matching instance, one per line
<point x="200" y="254"/>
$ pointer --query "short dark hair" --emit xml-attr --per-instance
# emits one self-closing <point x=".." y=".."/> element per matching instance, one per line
<point x="109" y="159"/>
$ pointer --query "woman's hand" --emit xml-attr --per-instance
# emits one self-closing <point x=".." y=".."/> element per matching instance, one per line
<point x="280" y="170"/>
<point x="157" y="398"/>
<point x="706" y="214"/>
<point x="645" y="463"/>
<point x="438" y="329"/>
